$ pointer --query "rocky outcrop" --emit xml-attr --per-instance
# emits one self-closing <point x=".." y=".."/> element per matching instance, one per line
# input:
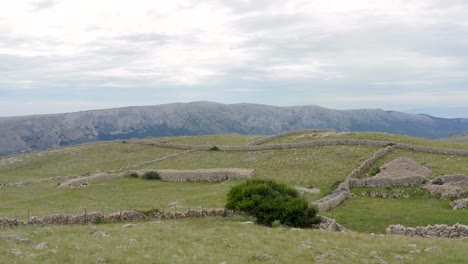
<point x="455" y="231"/>
<point x="448" y="186"/>
<point x="459" y="204"/>
<point x="329" y="224"/>
<point x="401" y="172"/>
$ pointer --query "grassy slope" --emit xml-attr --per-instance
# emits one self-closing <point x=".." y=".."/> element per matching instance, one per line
<point x="315" y="166"/>
<point x="78" y="160"/>
<point x="318" y="166"/>
<point x="373" y="136"/>
<point x="218" y="240"/>
<point x="215" y="140"/>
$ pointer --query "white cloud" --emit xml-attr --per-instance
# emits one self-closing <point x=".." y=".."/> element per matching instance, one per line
<point x="369" y="47"/>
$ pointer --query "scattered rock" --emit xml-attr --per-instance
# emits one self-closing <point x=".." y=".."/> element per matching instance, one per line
<point x="132" y="241"/>
<point x="398" y="257"/>
<point x="374" y="254"/>
<point x="42" y="246"/>
<point x="16" y="252"/>
<point x="296" y="229"/>
<point x="307" y="245"/>
<point x="10" y="238"/>
<point x="263" y="257"/>
<point x="247" y="223"/>
<point x="102" y="260"/>
<point x="430" y="249"/>
<point x="129" y="225"/>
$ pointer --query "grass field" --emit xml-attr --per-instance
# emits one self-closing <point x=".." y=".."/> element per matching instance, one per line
<point x="214" y="240"/>
<point x="221" y="240"/>
<point x="367" y="214"/>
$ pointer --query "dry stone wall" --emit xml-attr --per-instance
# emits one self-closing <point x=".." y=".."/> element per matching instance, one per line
<point x="208" y="175"/>
<point x="21" y="183"/>
<point x="124" y="216"/>
<point x="289" y="133"/>
<point x="432" y="150"/>
<point x="379" y="182"/>
<point x="455" y="231"/>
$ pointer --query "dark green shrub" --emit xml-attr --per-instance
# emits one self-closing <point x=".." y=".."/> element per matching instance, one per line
<point x="100" y="220"/>
<point x="270" y="201"/>
<point x="214" y="148"/>
<point x="375" y="171"/>
<point x="151" y="175"/>
<point x="151" y="212"/>
<point x="133" y="175"/>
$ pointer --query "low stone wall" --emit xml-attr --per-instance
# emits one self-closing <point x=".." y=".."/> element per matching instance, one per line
<point x="445" y="191"/>
<point x="379" y="182"/>
<point x="87" y="180"/>
<point x="124" y="216"/>
<point x="432" y="150"/>
<point x="459" y="204"/>
<point x="21" y="183"/>
<point x="331" y="201"/>
<point x="455" y="231"/>
<point x="207" y="175"/>
<point x="289" y="133"/>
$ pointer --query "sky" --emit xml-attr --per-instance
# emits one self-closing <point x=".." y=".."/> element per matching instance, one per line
<point x="67" y="55"/>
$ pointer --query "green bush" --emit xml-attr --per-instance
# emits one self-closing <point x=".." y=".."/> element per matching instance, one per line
<point x="151" y="175"/>
<point x="133" y="175"/>
<point x="270" y="201"/>
<point x="214" y="148"/>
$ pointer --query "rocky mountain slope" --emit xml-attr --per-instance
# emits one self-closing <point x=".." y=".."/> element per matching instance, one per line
<point x="28" y="133"/>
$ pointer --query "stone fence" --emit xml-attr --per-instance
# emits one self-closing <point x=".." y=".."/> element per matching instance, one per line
<point x="380" y="182"/>
<point x="455" y="231"/>
<point x="207" y="175"/>
<point x="124" y="216"/>
<point x="342" y="192"/>
<point x="432" y="150"/>
<point x="21" y="183"/>
<point x="289" y="133"/>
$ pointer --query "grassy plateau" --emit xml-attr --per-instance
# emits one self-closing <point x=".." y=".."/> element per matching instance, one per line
<point x="224" y="240"/>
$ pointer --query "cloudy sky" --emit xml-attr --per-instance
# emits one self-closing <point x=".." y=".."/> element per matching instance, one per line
<point x="68" y="55"/>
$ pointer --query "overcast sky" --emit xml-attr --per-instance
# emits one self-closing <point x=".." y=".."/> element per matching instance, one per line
<point x="68" y="55"/>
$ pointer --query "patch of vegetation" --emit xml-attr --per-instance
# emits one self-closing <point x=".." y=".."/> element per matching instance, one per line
<point x="368" y="214"/>
<point x="133" y="175"/>
<point x="150" y="212"/>
<point x="218" y="240"/>
<point x="100" y="220"/>
<point x="214" y="148"/>
<point x="151" y="175"/>
<point x="270" y="202"/>
<point x="374" y="171"/>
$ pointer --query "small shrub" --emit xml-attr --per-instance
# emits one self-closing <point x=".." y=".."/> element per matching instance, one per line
<point x="150" y="212"/>
<point x="374" y="171"/>
<point x="276" y="223"/>
<point x="151" y="175"/>
<point x="100" y="220"/>
<point x="133" y="175"/>
<point x="270" y="201"/>
<point x="214" y="148"/>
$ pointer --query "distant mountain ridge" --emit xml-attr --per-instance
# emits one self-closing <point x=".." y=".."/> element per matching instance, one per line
<point x="29" y="133"/>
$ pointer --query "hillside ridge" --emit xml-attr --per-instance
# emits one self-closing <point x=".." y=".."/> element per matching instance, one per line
<point x="39" y="132"/>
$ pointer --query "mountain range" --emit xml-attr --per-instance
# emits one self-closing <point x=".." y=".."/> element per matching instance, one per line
<point x="39" y="132"/>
